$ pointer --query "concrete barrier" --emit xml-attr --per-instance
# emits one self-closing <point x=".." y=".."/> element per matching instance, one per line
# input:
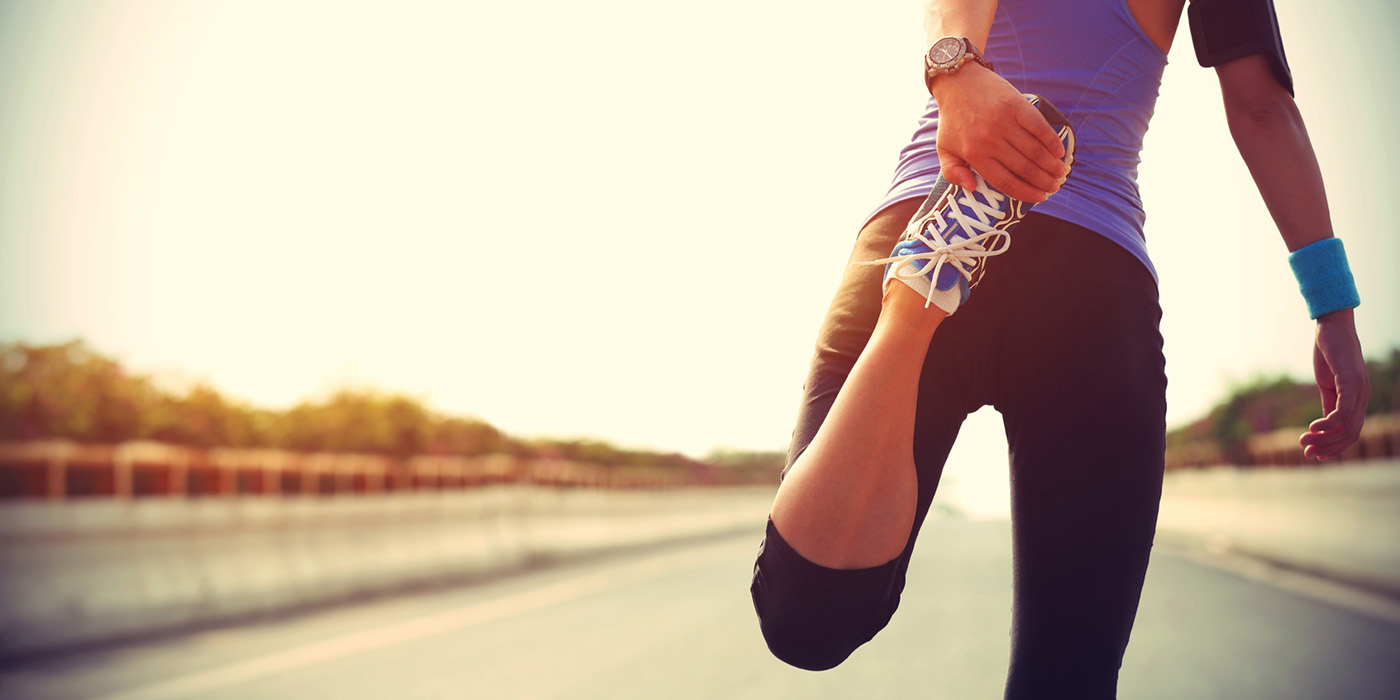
<point x="87" y="571"/>
<point x="1341" y="522"/>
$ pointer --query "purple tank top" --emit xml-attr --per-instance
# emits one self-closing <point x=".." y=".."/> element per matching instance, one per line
<point x="1091" y="59"/>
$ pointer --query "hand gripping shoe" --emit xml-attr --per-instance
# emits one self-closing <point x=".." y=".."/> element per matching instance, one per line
<point x="942" y="253"/>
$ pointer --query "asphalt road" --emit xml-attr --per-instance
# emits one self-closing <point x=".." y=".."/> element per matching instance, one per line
<point x="678" y="624"/>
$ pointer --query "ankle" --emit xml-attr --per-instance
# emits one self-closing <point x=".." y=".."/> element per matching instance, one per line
<point x="909" y="309"/>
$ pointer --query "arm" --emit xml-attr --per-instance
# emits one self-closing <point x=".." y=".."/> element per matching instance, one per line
<point x="1271" y="136"/>
<point x="984" y="123"/>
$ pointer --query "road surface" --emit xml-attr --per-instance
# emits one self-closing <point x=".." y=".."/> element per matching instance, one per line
<point x="677" y="624"/>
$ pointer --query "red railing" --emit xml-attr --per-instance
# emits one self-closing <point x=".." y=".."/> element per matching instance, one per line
<point x="58" y="469"/>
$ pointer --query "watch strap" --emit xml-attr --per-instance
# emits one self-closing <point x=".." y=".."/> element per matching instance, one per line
<point x="970" y="53"/>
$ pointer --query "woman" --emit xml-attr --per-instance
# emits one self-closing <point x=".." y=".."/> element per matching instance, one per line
<point x="1060" y="335"/>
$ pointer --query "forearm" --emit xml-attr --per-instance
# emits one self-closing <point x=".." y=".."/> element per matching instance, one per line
<point x="1273" y="140"/>
<point x="1275" y="146"/>
<point x="986" y="128"/>
<point x="969" y="18"/>
<point x="1270" y="135"/>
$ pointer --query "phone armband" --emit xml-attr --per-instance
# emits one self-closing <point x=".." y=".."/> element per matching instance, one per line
<point x="1224" y="30"/>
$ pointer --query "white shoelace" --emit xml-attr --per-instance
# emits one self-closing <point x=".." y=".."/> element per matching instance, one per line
<point x="962" y="253"/>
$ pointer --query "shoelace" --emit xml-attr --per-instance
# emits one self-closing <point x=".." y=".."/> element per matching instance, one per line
<point x="962" y="253"/>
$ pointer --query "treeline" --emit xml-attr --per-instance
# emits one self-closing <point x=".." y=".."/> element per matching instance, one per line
<point x="71" y="391"/>
<point x="1270" y="403"/>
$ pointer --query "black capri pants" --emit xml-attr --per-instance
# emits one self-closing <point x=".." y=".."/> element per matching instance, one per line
<point x="1061" y="337"/>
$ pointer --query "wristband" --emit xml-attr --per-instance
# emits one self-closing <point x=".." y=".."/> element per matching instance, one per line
<point x="1324" y="277"/>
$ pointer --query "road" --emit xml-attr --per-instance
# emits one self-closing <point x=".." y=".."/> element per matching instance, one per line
<point x="677" y="624"/>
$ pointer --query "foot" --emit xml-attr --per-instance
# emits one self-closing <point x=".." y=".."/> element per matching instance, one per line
<point x="942" y="253"/>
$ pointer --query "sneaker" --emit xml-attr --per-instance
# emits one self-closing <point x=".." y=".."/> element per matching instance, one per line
<point x="943" y="251"/>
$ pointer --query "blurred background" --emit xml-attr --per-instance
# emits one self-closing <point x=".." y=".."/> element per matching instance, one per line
<point x="445" y="349"/>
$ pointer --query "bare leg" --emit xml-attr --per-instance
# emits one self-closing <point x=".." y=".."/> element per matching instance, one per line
<point x="849" y="501"/>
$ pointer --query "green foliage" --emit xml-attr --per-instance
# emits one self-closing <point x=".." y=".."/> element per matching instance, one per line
<point x="359" y="422"/>
<point x="1385" y="384"/>
<point x="461" y="436"/>
<point x="1262" y="406"/>
<point x="70" y="391"/>
<point x="203" y="418"/>
<point x="1268" y="403"/>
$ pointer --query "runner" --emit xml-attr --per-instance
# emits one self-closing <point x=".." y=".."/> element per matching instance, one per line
<point x="1052" y="320"/>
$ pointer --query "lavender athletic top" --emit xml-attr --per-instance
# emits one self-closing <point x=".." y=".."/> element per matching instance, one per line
<point x="1092" y="61"/>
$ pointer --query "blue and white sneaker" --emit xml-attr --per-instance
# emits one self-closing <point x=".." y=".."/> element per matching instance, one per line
<point x="943" y="251"/>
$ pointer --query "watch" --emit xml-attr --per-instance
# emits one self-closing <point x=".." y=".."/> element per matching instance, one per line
<point x="947" y="55"/>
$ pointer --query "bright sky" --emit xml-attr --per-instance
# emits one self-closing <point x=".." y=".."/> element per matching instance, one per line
<point x="620" y="219"/>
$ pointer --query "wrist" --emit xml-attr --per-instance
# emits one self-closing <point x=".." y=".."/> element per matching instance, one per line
<point x="1340" y="317"/>
<point x="948" y="56"/>
<point x="958" y="81"/>
<point x="1324" y="277"/>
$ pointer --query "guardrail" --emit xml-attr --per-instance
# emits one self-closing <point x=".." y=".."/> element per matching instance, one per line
<point x="93" y="570"/>
<point x="58" y="469"/>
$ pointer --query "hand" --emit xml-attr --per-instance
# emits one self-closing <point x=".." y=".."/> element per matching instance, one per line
<point x="984" y="124"/>
<point x="1344" y="383"/>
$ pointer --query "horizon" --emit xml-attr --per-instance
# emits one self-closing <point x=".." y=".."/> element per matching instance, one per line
<point x="180" y="387"/>
<point x="450" y="218"/>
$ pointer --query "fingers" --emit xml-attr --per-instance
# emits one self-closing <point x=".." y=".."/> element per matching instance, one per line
<point x="1039" y="129"/>
<point x="1324" y="446"/>
<point x="1332" y="434"/>
<point x="1019" y="165"/>
<point x="1028" y="159"/>
<point x="962" y="176"/>
<point x="987" y="126"/>
<point x="1331" y="417"/>
<point x="998" y="176"/>
<point x="955" y="170"/>
<point x="1345" y="388"/>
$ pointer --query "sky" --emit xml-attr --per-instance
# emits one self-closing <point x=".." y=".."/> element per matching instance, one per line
<point x="621" y="219"/>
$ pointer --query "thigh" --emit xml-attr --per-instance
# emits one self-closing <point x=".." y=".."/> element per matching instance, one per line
<point x="954" y="381"/>
<point x="813" y="617"/>
<point x="1082" y="392"/>
<point x="849" y="321"/>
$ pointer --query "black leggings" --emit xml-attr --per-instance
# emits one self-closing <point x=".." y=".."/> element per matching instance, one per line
<point x="1061" y="338"/>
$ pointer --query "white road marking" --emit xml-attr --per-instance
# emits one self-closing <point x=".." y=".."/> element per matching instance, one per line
<point x="425" y="626"/>
<point x="1218" y="555"/>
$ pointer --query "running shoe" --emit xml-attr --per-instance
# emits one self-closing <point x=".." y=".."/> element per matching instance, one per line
<point x="943" y="251"/>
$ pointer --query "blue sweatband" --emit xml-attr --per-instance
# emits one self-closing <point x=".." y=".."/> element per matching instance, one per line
<point x="1324" y="277"/>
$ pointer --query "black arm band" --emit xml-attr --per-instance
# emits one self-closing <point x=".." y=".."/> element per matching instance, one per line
<point x="1224" y="30"/>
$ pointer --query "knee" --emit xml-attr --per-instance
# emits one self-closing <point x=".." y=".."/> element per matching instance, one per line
<point x="813" y="617"/>
<point x="799" y="638"/>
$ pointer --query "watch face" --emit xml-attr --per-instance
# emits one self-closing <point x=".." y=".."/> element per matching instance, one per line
<point x="946" y="52"/>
